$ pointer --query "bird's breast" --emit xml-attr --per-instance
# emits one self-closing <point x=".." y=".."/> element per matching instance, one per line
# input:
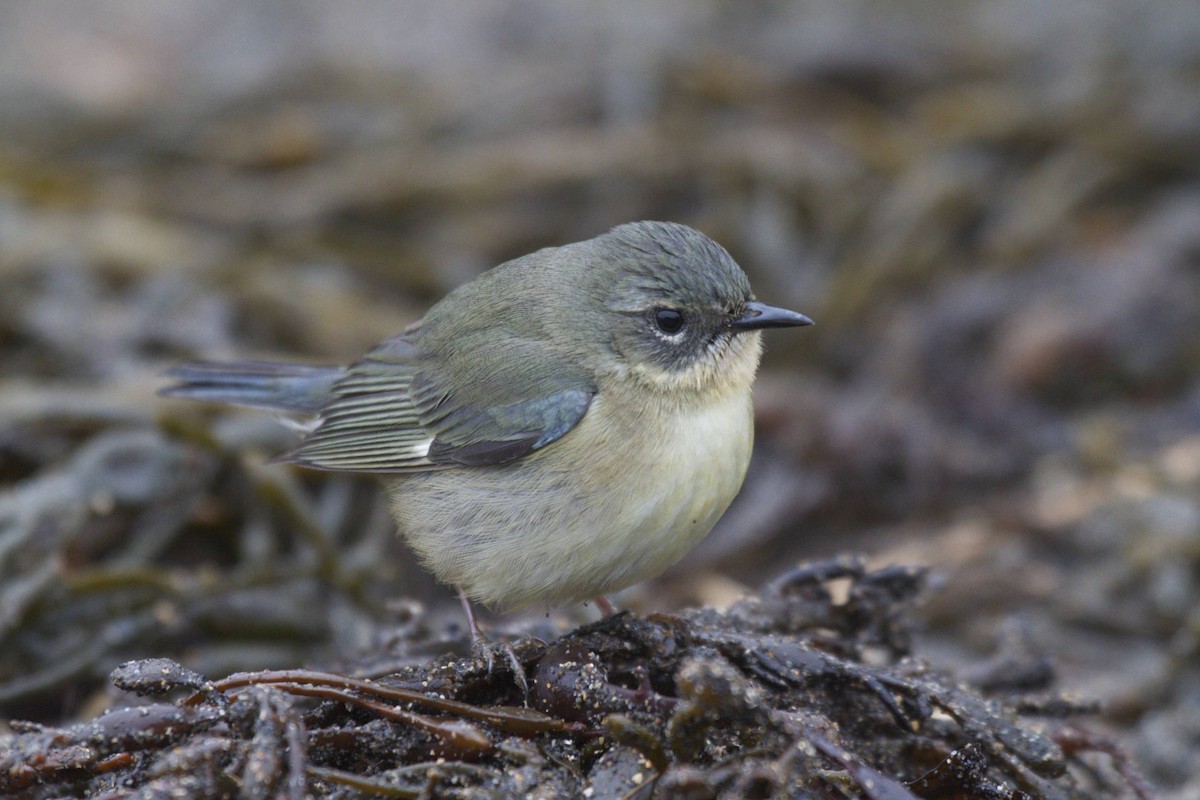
<point x="671" y="459"/>
<point x="621" y="497"/>
<point x="662" y="477"/>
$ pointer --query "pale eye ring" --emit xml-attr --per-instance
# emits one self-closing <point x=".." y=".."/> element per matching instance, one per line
<point x="668" y="320"/>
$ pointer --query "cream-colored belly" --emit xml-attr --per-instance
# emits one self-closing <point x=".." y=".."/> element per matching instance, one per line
<point x="605" y="507"/>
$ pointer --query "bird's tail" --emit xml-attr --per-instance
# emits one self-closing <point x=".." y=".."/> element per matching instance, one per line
<point x="260" y="384"/>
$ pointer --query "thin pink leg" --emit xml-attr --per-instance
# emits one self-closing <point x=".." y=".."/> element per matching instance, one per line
<point x="476" y="632"/>
<point x="606" y="608"/>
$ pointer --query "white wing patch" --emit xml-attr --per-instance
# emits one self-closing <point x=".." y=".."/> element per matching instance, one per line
<point x="305" y="426"/>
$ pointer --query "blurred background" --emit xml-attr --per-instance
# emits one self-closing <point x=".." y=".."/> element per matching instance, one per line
<point x="991" y="209"/>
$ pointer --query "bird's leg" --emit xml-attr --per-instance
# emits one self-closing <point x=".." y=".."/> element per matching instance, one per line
<point x="484" y="648"/>
<point x="607" y="609"/>
<point x="476" y="632"/>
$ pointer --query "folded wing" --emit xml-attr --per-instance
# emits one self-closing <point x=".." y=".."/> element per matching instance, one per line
<point x="400" y="409"/>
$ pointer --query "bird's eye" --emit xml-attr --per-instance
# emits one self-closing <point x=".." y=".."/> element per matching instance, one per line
<point x="668" y="320"/>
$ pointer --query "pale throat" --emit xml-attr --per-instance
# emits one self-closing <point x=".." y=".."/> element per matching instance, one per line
<point x="717" y="374"/>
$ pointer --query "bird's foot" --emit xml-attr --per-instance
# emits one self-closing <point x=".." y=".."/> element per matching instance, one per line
<point x="487" y="651"/>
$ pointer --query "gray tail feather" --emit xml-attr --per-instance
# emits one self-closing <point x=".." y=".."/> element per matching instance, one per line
<point x="260" y="384"/>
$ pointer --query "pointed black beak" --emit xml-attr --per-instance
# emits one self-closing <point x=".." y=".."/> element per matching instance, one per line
<point x="759" y="315"/>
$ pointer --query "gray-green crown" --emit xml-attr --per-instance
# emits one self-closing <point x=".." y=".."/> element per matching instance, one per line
<point x="673" y="263"/>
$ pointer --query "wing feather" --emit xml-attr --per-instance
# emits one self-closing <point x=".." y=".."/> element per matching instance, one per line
<point x="397" y="410"/>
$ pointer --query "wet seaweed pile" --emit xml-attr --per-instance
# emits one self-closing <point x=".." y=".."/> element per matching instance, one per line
<point x="809" y="689"/>
<point x="128" y="542"/>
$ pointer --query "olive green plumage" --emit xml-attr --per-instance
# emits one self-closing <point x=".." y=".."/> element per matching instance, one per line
<point x="565" y="425"/>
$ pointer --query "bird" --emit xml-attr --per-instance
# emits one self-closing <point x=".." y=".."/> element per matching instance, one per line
<point x="567" y="424"/>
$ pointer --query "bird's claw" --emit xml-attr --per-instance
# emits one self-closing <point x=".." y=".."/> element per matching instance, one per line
<point x="488" y="651"/>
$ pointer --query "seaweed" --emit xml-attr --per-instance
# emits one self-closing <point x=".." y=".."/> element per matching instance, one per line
<point x="788" y="693"/>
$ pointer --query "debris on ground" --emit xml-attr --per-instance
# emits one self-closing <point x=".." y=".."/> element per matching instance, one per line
<point x="809" y="689"/>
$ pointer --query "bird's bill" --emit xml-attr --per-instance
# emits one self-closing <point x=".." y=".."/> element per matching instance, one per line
<point x="760" y="315"/>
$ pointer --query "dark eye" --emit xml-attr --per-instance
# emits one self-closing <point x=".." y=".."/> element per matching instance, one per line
<point x="668" y="320"/>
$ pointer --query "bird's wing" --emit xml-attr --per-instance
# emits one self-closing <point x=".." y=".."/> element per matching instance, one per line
<point x="399" y="409"/>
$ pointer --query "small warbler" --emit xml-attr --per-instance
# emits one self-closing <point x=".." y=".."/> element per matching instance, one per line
<point x="568" y="424"/>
